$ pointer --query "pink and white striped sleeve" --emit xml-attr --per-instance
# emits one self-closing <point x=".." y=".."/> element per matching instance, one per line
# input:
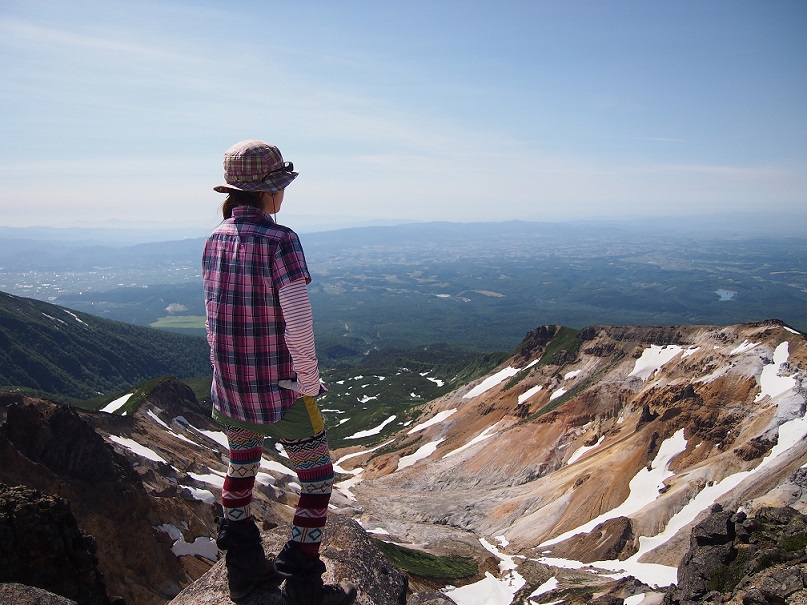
<point x="299" y="335"/>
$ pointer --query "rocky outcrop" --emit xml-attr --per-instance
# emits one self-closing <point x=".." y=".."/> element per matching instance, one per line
<point x="42" y="546"/>
<point x="613" y="539"/>
<point x="711" y="547"/>
<point x="740" y="560"/>
<point x="56" y="437"/>
<point x="429" y="597"/>
<point x="53" y="449"/>
<point x="348" y="553"/>
<point x="21" y="594"/>
<point x="534" y="343"/>
<point x="175" y="397"/>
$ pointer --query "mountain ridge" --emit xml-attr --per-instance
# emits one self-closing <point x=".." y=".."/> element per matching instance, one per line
<point x="62" y="354"/>
<point x="636" y="413"/>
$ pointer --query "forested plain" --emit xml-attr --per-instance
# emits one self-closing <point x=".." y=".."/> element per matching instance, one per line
<point x="478" y="287"/>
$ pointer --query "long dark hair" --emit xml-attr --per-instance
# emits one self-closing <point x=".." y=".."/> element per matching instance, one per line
<point x="241" y="198"/>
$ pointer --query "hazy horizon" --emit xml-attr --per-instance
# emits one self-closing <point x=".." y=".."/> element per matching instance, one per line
<point x="131" y="233"/>
<point x="453" y="111"/>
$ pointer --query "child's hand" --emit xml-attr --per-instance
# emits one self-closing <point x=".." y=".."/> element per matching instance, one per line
<point x="293" y="385"/>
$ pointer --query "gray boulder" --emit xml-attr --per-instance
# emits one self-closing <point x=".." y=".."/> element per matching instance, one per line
<point x="348" y="553"/>
<point x="20" y="594"/>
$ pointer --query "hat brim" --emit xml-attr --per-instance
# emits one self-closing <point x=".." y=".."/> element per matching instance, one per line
<point x="272" y="184"/>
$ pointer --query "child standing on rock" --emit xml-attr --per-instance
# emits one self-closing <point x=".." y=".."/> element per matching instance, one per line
<point x="265" y="375"/>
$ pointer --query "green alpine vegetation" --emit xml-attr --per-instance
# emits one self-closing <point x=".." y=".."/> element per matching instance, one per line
<point x="50" y="351"/>
<point x="425" y="565"/>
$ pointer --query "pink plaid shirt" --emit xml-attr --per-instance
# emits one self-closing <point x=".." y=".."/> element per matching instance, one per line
<point x="247" y="259"/>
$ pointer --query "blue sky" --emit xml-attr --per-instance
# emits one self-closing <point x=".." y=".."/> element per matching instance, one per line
<point x="119" y="112"/>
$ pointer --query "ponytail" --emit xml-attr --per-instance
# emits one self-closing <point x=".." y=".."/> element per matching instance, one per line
<point x="241" y="198"/>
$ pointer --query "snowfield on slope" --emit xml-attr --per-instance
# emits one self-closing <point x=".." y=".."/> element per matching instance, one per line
<point x="772" y="383"/>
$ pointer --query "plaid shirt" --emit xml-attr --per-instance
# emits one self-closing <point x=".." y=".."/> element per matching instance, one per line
<point x="247" y="259"/>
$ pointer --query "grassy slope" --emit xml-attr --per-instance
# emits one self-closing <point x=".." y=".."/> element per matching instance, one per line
<point x="50" y="351"/>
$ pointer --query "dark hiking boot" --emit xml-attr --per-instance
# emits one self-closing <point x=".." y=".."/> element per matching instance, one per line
<point x="292" y="562"/>
<point x="304" y="584"/>
<point x="245" y="560"/>
<point x="311" y="591"/>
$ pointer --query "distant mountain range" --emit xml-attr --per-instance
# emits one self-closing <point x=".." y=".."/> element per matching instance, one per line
<point x="51" y="351"/>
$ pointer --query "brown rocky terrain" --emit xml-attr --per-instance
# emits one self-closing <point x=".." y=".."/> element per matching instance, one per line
<point x="151" y="518"/>
<point x="499" y="463"/>
<point x="575" y="472"/>
<point x="42" y="546"/>
<point x="53" y="449"/>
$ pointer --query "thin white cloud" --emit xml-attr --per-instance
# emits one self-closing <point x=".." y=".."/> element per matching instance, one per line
<point x="659" y="139"/>
<point x="732" y="172"/>
<point x="38" y="37"/>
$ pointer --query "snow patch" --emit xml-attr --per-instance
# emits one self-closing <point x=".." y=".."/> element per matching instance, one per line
<point x="201" y="546"/>
<point x="114" y="406"/>
<point x="558" y="393"/>
<point x="343" y="487"/>
<point x="202" y="495"/>
<point x="424" y="451"/>
<point x="437" y="419"/>
<point x="74" y="316"/>
<point x="491" y="590"/>
<point x="337" y="464"/>
<point x="529" y="393"/>
<point x="791" y="433"/>
<point x="491" y="381"/>
<point x="548" y="586"/>
<point x="268" y="480"/>
<point x="373" y="431"/>
<point x="486" y="434"/>
<point x="138" y="449"/>
<point x="771" y="384"/>
<point x="436" y="381"/>
<point x="156" y="419"/>
<point x="690" y="351"/>
<point x="215" y="478"/>
<point x="644" y="487"/>
<point x="743" y="347"/>
<point x="217" y="436"/>
<point x="581" y="451"/>
<point x="653" y="359"/>
<point x="713" y="376"/>
<point x="271" y="465"/>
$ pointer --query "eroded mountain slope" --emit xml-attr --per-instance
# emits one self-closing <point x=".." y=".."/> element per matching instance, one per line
<point x="603" y="445"/>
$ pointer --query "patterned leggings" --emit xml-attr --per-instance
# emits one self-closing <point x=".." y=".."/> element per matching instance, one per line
<point x="310" y="459"/>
